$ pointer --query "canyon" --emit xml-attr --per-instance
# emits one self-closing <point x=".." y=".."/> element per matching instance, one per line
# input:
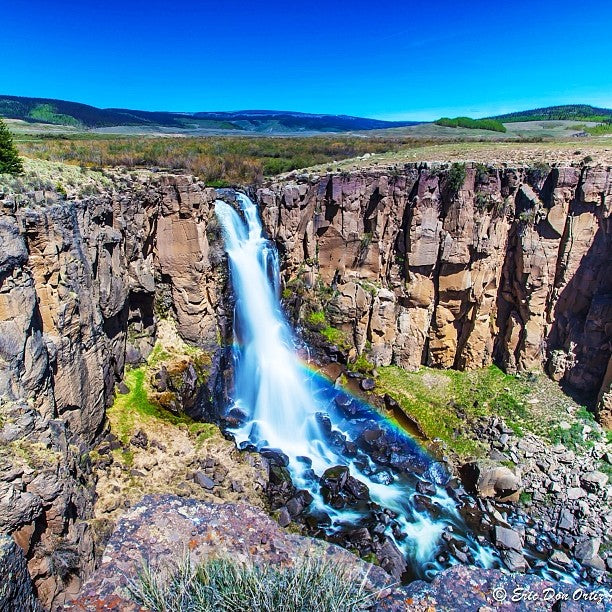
<point x="449" y="266"/>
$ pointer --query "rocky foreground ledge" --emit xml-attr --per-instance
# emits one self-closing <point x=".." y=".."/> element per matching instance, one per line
<point x="162" y="528"/>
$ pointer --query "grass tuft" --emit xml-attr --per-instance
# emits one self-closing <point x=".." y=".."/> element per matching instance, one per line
<point x="227" y="585"/>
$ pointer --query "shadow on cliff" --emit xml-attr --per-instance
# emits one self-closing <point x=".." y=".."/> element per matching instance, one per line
<point x="582" y="312"/>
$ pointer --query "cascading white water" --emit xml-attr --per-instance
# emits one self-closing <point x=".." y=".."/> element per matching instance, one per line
<point x="284" y="403"/>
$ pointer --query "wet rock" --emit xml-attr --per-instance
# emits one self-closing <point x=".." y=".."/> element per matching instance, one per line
<point x="560" y="558"/>
<point x="426" y="488"/>
<point x="514" y="561"/>
<point x="367" y="384"/>
<point x="284" y="517"/>
<point x="357" y="489"/>
<point x="275" y="456"/>
<point x="391" y="559"/>
<point x="342" y="400"/>
<point x="279" y="475"/>
<point x="324" y="423"/>
<point x="295" y="506"/>
<point x="235" y="418"/>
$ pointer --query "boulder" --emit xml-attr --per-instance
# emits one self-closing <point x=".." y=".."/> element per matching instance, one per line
<point x="491" y="481"/>
<point x="508" y="539"/>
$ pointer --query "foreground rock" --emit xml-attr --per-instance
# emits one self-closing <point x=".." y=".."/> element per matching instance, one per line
<point x="16" y="592"/>
<point x="471" y="589"/>
<point x="163" y="528"/>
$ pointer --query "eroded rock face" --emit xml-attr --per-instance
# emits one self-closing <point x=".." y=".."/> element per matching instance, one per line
<point x="16" y="592"/>
<point x="512" y="266"/>
<point x="79" y="285"/>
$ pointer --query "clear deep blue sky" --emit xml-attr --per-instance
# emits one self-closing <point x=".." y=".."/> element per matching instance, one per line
<point x="380" y="58"/>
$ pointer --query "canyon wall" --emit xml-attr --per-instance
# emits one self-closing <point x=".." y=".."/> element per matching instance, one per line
<point x="458" y="266"/>
<point x="509" y="265"/>
<point x="81" y="283"/>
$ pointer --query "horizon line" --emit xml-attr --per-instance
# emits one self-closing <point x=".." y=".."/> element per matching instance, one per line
<point x="386" y="117"/>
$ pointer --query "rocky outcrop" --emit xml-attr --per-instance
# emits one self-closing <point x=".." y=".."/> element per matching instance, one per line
<point x="16" y="592"/>
<point x="80" y="281"/>
<point x="161" y="529"/>
<point x="508" y="265"/>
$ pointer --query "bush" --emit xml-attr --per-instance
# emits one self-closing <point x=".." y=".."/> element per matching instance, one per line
<point x="10" y="162"/>
<point x="456" y="177"/>
<point x="227" y="585"/>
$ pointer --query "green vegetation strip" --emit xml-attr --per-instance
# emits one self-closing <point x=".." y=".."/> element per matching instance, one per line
<point x="472" y="124"/>
<point x="228" y="585"/>
<point x="126" y="408"/>
<point x="219" y="161"/>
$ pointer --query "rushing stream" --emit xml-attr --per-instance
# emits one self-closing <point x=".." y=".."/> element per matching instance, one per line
<point x="332" y="442"/>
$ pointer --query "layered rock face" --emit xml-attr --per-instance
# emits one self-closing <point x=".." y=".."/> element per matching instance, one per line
<point x="510" y="266"/>
<point x="454" y="267"/>
<point x="79" y="283"/>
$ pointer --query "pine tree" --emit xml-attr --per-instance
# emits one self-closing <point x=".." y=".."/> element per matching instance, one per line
<point x="10" y="162"/>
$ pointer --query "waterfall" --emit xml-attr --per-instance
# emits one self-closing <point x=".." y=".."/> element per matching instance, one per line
<point x="291" y="408"/>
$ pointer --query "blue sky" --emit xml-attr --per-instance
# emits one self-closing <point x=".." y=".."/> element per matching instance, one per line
<point x="387" y="59"/>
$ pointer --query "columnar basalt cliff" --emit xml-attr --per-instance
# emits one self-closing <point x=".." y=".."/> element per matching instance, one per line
<point x="495" y="265"/>
<point x="505" y="265"/>
<point x="78" y="287"/>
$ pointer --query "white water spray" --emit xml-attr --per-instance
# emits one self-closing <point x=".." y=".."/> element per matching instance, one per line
<point x="284" y="401"/>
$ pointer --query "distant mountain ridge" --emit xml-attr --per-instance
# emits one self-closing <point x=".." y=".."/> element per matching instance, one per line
<point x="61" y="112"/>
<point x="572" y="112"/>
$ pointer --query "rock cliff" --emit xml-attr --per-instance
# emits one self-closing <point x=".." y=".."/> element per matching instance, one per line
<point x="458" y="266"/>
<point x="414" y="265"/>
<point x="79" y="284"/>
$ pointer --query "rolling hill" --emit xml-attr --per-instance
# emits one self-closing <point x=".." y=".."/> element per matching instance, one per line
<point x="571" y="112"/>
<point x="74" y="114"/>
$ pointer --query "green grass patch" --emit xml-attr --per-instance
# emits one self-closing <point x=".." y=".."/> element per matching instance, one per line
<point x="317" y="321"/>
<point x="229" y="585"/>
<point x="317" y="318"/>
<point x="335" y="336"/>
<point x="444" y="402"/>
<point x="122" y="414"/>
<point x="361" y="364"/>
<point x="599" y="130"/>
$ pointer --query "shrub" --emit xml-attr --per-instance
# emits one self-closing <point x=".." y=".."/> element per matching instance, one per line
<point x="227" y="585"/>
<point x="10" y="162"/>
<point x="538" y="171"/>
<point x="456" y="177"/>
